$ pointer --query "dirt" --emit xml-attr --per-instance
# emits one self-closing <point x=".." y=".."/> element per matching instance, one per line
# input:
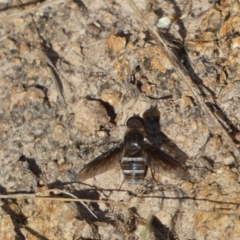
<point x="72" y="74"/>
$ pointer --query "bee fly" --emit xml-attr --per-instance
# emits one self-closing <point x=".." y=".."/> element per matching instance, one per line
<point x="134" y="155"/>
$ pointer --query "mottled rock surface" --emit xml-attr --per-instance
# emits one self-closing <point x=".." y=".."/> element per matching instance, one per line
<point x="72" y="73"/>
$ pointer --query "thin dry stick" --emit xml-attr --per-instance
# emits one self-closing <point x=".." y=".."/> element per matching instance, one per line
<point x="184" y="76"/>
<point x="5" y="36"/>
<point x="40" y="53"/>
<point x="47" y="61"/>
<point x="35" y="195"/>
<point x="73" y="196"/>
<point x="117" y="203"/>
<point x="25" y="12"/>
<point x="51" y="67"/>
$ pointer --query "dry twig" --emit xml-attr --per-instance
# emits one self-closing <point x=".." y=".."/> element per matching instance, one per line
<point x="192" y="202"/>
<point x="184" y="76"/>
<point x="25" y="12"/>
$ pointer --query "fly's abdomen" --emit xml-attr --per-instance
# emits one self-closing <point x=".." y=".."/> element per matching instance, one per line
<point x="134" y="169"/>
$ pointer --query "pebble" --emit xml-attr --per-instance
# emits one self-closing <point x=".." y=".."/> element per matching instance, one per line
<point x="157" y="60"/>
<point x="111" y="97"/>
<point x="115" y="43"/>
<point x="228" y="160"/>
<point x="235" y="43"/>
<point x="90" y="115"/>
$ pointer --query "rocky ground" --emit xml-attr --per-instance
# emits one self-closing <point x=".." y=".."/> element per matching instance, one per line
<point x="73" y="72"/>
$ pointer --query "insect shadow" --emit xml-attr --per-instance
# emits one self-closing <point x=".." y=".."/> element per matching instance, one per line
<point x="159" y="230"/>
<point x="83" y="212"/>
<point x="32" y="164"/>
<point x="19" y="220"/>
<point x="157" y="138"/>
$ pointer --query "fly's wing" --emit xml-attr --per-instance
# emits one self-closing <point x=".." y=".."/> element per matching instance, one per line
<point x="162" y="163"/>
<point x="101" y="163"/>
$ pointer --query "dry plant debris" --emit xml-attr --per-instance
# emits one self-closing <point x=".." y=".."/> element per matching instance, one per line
<point x="73" y="72"/>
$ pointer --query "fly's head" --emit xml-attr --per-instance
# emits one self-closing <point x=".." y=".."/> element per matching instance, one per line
<point x="135" y="122"/>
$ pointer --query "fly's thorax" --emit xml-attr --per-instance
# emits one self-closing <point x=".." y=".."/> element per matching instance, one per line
<point x="134" y="169"/>
<point x="133" y="142"/>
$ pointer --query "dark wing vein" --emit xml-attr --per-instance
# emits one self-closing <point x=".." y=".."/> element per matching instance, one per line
<point x="101" y="163"/>
<point x="162" y="163"/>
